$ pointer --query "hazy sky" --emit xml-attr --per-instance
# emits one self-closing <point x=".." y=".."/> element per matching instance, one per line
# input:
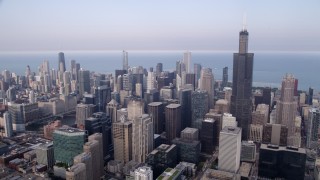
<point x="284" y="25"/>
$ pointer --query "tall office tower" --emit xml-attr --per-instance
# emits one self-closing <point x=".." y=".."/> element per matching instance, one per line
<point x="185" y="99"/>
<point x="187" y="61"/>
<point x="135" y="108"/>
<point x="162" y="157"/>
<point x="218" y="118"/>
<point x="99" y="164"/>
<point x="228" y="120"/>
<point x="53" y="75"/>
<point x="189" y="146"/>
<point x="180" y="67"/>
<point x="261" y="114"/>
<point x="159" y="69"/>
<point x="94" y="148"/>
<point x="312" y="126"/>
<point x="62" y="63"/>
<point x="296" y="82"/>
<point x="7" y="124"/>
<point x="209" y="135"/>
<point x="67" y="143"/>
<point x="142" y="137"/>
<point x="241" y="99"/>
<point x="127" y="82"/>
<point x="275" y="134"/>
<point x="266" y="96"/>
<point x="139" y="90"/>
<point x="224" y="77"/>
<point x="151" y="81"/>
<point x="229" y="149"/>
<point x="101" y="123"/>
<point x="118" y="79"/>
<point x="66" y="83"/>
<point x="111" y="109"/>
<point x="76" y="172"/>
<point x="199" y="107"/>
<point x="222" y="106"/>
<point x="73" y="69"/>
<point x="102" y="97"/>
<point x="206" y="82"/>
<point x="173" y="121"/>
<point x="190" y="78"/>
<point x="125" y="65"/>
<point x="197" y="70"/>
<point x="86" y="159"/>
<point x="84" y="81"/>
<point x="286" y="105"/>
<point x="6" y="76"/>
<point x="28" y="71"/>
<point x="143" y="173"/>
<point x="122" y="140"/>
<point x="45" y="156"/>
<point x="83" y="111"/>
<point x="281" y="162"/>
<point x="156" y="111"/>
<point x="310" y="96"/>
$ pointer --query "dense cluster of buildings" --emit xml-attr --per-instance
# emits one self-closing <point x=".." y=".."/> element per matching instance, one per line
<point x="156" y="124"/>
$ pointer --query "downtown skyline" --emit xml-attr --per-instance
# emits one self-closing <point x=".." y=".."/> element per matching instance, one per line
<point x="142" y="25"/>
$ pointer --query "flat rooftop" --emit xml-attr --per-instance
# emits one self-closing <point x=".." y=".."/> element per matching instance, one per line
<point x="231" y="130"/>
<point x="173" y="106"/>
<point x="155" y="104"/>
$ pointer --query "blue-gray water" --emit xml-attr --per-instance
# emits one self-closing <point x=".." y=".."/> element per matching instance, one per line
<point x="269" y="67"/>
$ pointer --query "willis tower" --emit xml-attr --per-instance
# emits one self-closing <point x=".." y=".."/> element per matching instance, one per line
<point x="241" y="99"/>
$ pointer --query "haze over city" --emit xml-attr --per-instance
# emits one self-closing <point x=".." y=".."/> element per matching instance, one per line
<point x="36" y="25"/>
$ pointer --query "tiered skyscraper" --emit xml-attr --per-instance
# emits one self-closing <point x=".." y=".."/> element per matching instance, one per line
<point x="286" y="105"/>
<point x="241" y="103"/>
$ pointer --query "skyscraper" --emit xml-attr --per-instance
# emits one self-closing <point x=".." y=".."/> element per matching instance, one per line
<point x="187" y="61"/>
<point x="199" y="107"/>
<point x="142" y="137"/>
<point x="173" y="121"/>
<point x="241" y="103"/>
<point x="286" y="105"/>
<point x="62" y="63"/>
<point x="197" y="70"/>
<point x="156" y="111"/>
<point x="122" y="139"/>
<point x="206" y="82"/>
<point x="125" y="65"/>
<point x="84" y="81"/>
<point x="312" y="127"/>
<point x="229" y="149"/>
<point x="224" y="77"/>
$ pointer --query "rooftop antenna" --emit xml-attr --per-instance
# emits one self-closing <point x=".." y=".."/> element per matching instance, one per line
<point x="244" y="22"/>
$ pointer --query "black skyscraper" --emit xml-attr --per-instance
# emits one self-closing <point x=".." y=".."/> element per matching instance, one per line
<point x="241" y="103"/>
<point x="224" y="78"/>
<point x="62" y="63"/>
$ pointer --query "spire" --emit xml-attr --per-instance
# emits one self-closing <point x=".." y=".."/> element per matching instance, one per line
<point x="244" y="22"/>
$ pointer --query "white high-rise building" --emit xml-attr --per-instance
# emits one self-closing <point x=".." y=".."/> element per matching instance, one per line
<point x="229" y="149"/>
<point x="142" y="137"/>
<point x="187" y="61"/>
<point x="229" y="120"/>
<point x="150" y="81"/>
<point x="125" y="65"/>
<point x="143" y="173"/>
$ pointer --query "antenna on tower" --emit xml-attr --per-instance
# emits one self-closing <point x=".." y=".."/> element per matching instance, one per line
<point x="244" y="22"/>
